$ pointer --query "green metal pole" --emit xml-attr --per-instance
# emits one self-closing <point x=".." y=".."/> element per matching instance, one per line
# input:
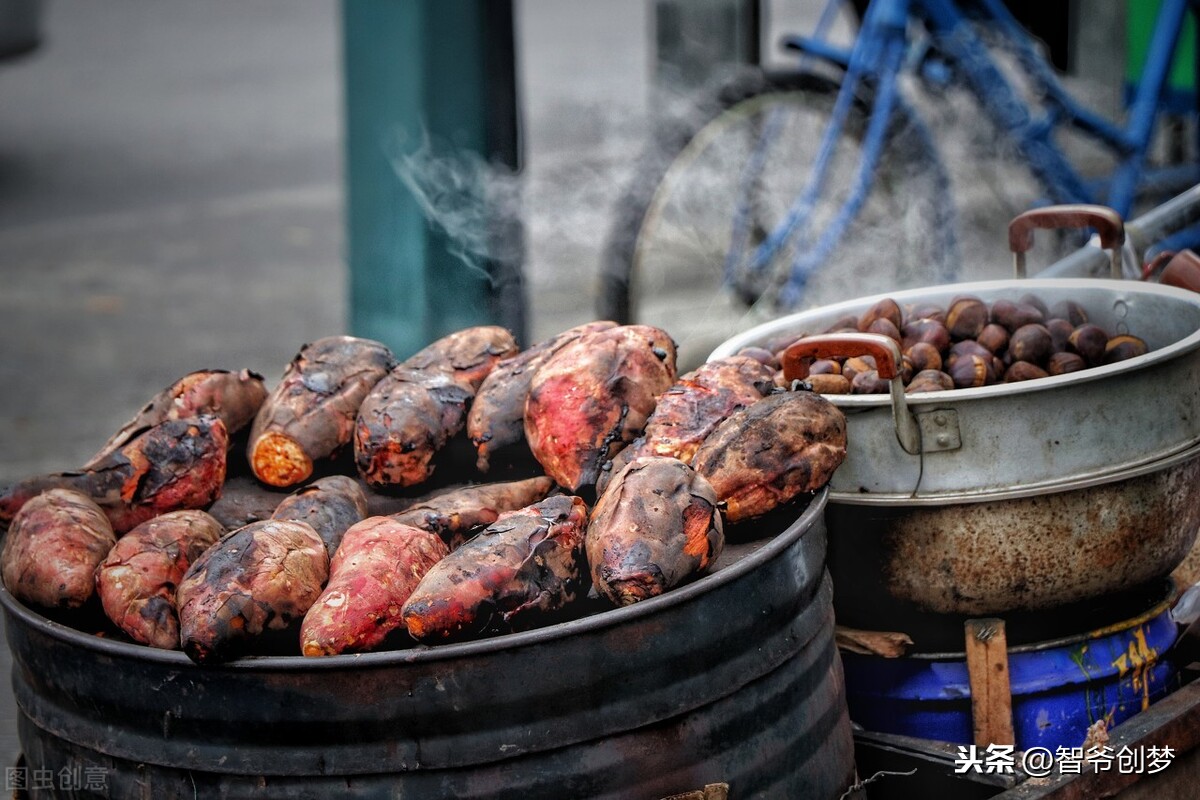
<point x="429" y="94"/>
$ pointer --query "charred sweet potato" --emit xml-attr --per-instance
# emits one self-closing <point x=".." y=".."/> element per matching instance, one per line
<point x="263" y="576"/>
<point x="771" y="452"/>
<point x="453" y="515"/>
<point x="593" y="396"/>
<point x="404" y="422"/>
<point x="468" y="355"/>
<point x="655" y="526"/>
<point x="377" y="567"/>
<point x="52" y="549"/>
<point x="310" y="414"/>
<point x="522" y="567"/>
<point x="330" y="505"/>
<point x="497" y="416"/>
<point x="177" y="464"/>
<point x="232" y="397"/>
<point x="691" y="409"/>
<point x="137" y="580"/>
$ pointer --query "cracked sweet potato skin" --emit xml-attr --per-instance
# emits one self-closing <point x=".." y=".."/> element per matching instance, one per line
<point x="773" y="451"/>
<point x="263" y="576"/>
<point x="310" y="414"/>
<point x="374" y="572"/>
<point x="468" y="355"/>
<point x="453" y="515"/>
<point x="232" y="397"/>
<point x="512" y="576"/>
<point x="694" y="406"/>
<point x="593" y="397"/>
<point x="175" y="465"/>
<point x="137" y="580"/>
<point x="53" y="547"/>
<point x="404" y="422"/>
<point x="329" y="505"/>
<point x="497" y="416"/>
<point x="655" y="527"/>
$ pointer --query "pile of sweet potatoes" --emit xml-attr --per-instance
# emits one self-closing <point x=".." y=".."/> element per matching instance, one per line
<point x="627" y="475"/>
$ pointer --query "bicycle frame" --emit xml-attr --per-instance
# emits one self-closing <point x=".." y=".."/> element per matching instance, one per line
<point x="878" y="57"/>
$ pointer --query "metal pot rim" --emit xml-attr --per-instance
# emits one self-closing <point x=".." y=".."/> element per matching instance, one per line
<point x="950" y="398"/>
<point x="604" y="619"/>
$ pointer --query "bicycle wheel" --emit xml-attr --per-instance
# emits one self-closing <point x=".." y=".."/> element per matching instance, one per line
<point x="664" y="259"/>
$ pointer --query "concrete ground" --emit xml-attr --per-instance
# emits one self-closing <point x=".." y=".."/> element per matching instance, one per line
<point x="171" y="199"/>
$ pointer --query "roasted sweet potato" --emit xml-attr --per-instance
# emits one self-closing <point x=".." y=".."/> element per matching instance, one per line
<point x="232" y="397"/>
<point x="175" y="465"/>
<point x="52" y="549"/>
<point x="137" y="580"/>
<point x="310" y="414"/>
<point x="771" y="452"/>
<point x="691" y="409"/>
<point x="377" y="567"/>
<point x="593" y="396"/>
<point x="263" y="576"/>
<point x="655" y="527"/>
<point x="468" y="355"/>
<point x="455" y="514"/>
<point x="330" y="505"/>
<point x="520" y="569"/>
<point x="404" y="422"/>
<point x="497" y="416"/>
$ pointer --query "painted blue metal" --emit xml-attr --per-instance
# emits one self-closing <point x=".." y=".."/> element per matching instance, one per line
<point x="1059" y="688"/>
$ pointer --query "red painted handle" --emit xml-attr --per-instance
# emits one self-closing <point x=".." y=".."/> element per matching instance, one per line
<point x="1079" y="215"/>
<point x="797" y="357"/>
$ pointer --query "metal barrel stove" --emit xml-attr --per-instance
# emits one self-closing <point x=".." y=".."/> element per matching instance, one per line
<point x="733" y="678"/>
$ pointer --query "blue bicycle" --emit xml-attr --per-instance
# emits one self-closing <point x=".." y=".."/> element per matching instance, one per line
<point x="825" y="182"/>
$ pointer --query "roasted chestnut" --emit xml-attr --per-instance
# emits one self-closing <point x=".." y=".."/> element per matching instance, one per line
<point x="924" y="356"/>
<point x="1071" y="311"/>
<point x="1088" y="341"/>
<point x="924" y="330"/>
<point x="1031" y="343"/>
<point x="1122" y="347"/>
<point x="1062" y="363"/>
<point x="926" y="311"/>
<point x="967" y="347"/>
<point x="1036" y="302"/>
<point x="994" y="337"/>
<point x="1015" y="315"/>
<point x="972" y="370"/>
<point x="824" y="366"/>
<point x="887" y="308"/>
<point x="966" y="317"/>
<point x="1024" y="371"/>
<point x="1060" y="331"/>
<point x="868" y="382"/>
<point x="828" y="383"/>
<point x="929" y="380"/>
<point x="853" y="366"/>
<point x="884" y="327"/>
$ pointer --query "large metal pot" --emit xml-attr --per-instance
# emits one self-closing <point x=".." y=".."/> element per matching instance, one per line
<point x="1025" y="495"/>
<point x="733" y="678"/>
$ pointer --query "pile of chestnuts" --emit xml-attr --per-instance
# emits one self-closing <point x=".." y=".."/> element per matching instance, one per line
<point x="967" y="344"/>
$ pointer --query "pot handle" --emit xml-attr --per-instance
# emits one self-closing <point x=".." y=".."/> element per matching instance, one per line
<point x="797" y="357"/>
<point x="1106" y="222"/>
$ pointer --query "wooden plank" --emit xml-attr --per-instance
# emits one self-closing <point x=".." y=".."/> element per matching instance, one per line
<point x="987" y="672"/>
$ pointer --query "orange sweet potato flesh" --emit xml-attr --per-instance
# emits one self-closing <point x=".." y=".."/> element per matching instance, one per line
<point x="497" y="417"/>
<point x="655" y="527"/>
<point x="593" y="397"/>
<point x="53" y="547"/>
<point x="771" y="452"/>
<point x="455" y="514"/>
<point x="175" y="465"/>
<point x="330" y="505"/>
<point x="310" y="414"/>
<point x="692" y="408"/>
<point x="373" y="573"/>
<point x="232" y="397"/>
<point x="263" y="576"/>
<point x="516" y="574"/>
<point x="137" y="580"/>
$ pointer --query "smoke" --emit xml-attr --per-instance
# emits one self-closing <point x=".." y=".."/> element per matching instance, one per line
<point x="476" y="204"/>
